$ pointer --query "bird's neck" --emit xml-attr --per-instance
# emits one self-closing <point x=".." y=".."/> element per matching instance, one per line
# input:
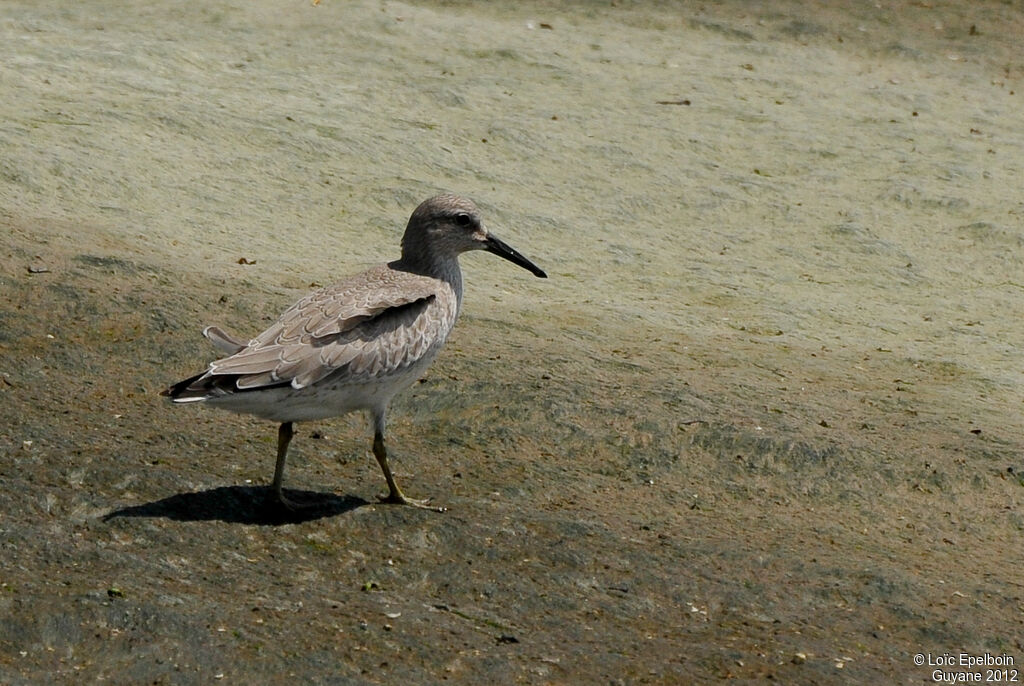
<point x="445" y="268"/>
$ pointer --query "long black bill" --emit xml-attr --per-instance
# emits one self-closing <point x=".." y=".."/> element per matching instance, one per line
<point x="502" y="249"/>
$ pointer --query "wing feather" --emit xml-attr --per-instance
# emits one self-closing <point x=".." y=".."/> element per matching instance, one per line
<point x="249" y="361"/>
<point x="244" y="383"/>
<point x="373" y="324"/>
<point x="222" y="340"/>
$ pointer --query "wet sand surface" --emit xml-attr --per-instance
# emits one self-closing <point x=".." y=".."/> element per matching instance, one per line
<point x="763" y="420"/>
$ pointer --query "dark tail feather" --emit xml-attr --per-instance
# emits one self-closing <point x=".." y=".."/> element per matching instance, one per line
<point x="187" y="390"/>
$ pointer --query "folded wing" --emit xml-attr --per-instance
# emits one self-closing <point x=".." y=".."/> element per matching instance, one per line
<point x="366" y="327"/>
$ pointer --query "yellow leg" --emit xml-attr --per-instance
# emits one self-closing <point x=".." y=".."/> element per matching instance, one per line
<point x="394" y="493"/>
<point x="284" y="437"/>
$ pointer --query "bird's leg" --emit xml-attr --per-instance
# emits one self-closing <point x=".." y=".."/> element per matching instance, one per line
<point x="284" y="437"/>
<point x="394" y="493"/>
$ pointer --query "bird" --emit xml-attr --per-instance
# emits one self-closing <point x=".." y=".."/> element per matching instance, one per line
<point x="354" y="345"/>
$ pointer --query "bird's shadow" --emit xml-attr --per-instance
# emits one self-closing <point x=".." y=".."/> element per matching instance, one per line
<point x="242" y="505"/>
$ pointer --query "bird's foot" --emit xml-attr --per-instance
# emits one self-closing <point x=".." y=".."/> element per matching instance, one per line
<point x="396" y="498"/>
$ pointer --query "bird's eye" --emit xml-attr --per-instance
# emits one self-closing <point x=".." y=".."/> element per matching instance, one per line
<point x="462" y="219"/>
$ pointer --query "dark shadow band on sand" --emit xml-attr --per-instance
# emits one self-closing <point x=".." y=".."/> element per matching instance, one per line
<point x="242" y="505"/>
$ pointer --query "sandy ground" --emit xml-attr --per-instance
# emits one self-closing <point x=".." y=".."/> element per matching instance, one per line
<point x="763" y="420"/>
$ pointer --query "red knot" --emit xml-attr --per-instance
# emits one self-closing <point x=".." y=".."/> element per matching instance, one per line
<point x="354" y="345"/>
